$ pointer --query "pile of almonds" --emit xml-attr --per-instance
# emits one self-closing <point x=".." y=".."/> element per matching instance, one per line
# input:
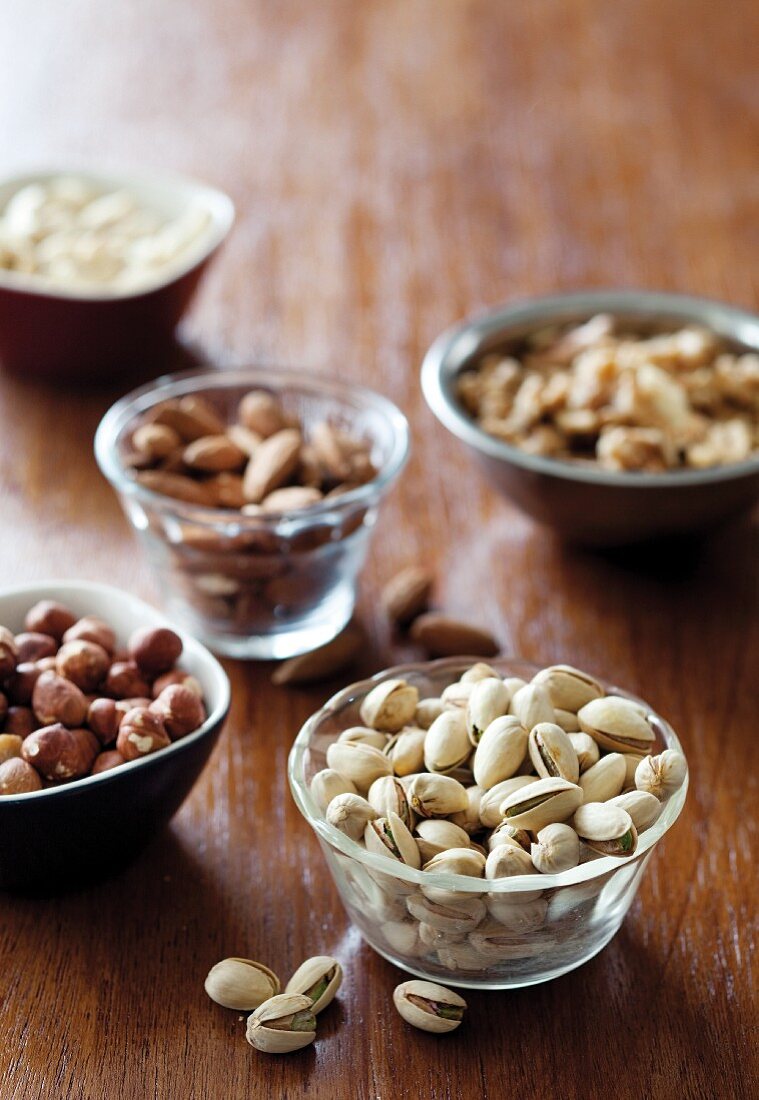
<point x="72" y="704"/>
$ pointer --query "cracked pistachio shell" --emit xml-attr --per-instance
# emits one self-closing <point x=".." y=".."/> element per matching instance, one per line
<point x="509" y="834"/>
<point x="457" y="861"/>
<point x="532" y="704"/>
<point x="617" y="724"/>
<point x="606" y="829"/>
<point x="362" y="764"/>
<point x="491" y="801"/>
<point x="350" y="813"/>
<point x="469" y="819"/>
<point x="661" y="775"/>
<point x="500" y="947"/>
<point x="557" y="849"/>
<point x="387" y="795"/>
<point x="461" y="915"/>
<point x="500" y="751"/>
<point x="436" y="835"/>
<point x="427" y="711"/>
<point x="446" y="745"/>
<point x="282" y="1024"/>
<point x="542" y="803"/>
<point x="586" y="748"/>
<point x="241" y="983"/>
<point x="644" y="808"/>
<point x="327" y="784"/>
<point x="506" y="861"/>
<point x="479" y="671"/>
<point x="390" y="706"/>
<point x="388" y="836"/>
<point x="319" y="979"/>
<point x="568" y="688"/>
<point x="552" y="753"/>
<point x="437" y="795"/>
<point x="429" y="1006"/>
<point x="489" y="699"/>
<point x="605" y="779"/>
<point x="405" y="750"/>
<point x="517" y="916"/>
<point x="456" y="694"/>
<point x="362" y="735"/>
<point x="567" y="719"/>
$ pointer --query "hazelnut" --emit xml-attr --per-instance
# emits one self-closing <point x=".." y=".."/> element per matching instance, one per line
<point x="56" y="699"/>
<point x="155" y="649"/>
<point x="84" y="663"/>
<point x="92" y="629"/>
<point x="18" y="777"/>
<point x="49" y="617"/>
<point x="8" y="653"/>
<point x="107" y="760"/>
<point x="32" y="646"/>
<point x="104" y="719"/>
<point x="59" y="753"/>
<point x="124" y="681"/>
<point x="20" y="721"/>
<point x="10" y="746"/>
<point x="176" y="676"/>
<point x="141" y="732"/>
<point x="181" y="709"/>
<point x="21" y="684"/>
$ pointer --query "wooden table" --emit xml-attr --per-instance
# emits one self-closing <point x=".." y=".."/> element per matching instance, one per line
<point x="396" y="165"/>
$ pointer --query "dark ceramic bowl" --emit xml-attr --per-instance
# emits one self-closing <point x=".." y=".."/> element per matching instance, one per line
<point x="64" y="836"/>
<point x="67" y="335"/>
<point x="586" y="505"/>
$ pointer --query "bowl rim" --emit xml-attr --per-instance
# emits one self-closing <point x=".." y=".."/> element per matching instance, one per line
<point x="218" y="203"/>
<point x="448" y="352"/>
<point x="56" y="590"/>
<point x="593" y="869"/>
<point x="277" y="380"/>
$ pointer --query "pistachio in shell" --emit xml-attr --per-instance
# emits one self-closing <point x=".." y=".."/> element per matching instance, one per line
<point x="642" y="806"/>
<point x="388" y="795"/>
<point x="436" y="795"/>
<point x="488" y="700"/>
<point x="552" y="753"/>
<point x="586" y="748"/>
<point x="319" y="979"/>
<point x="617" y="724"/>
<point x="429" y="1006"/>
<point x="436" y="835"/>
<point x="500" y="751"/>
<point x="405" y="750"/>
<point x="542" y="803"/>
<point x="661" y="775"/>
<point x="447" y="746"/>
<point x="362" y="764"/>
<point x="350" y="813"/>
<point x="569" y="688"/>
<point x="388" y="836"/>
<point x="605" y="779"/>
<point x="492" y="800"/>
<point x="243" y="984"/>
<point x="557" y="849"/>
<point x="606" y="829"/>
<point x="390" y="705"/>
<point x="532" y="704"/>
<point x="282" y="1024"/>
<point x="327" y="784"/>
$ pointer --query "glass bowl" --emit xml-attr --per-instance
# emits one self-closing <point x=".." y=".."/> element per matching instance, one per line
<point x="266" y="586"/>
<point x="508" y="932"/>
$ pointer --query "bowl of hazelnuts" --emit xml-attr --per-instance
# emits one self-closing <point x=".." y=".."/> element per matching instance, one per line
<point x="107" y="718"/>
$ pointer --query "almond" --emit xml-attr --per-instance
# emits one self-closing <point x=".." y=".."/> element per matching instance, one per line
<point x="156" y="441"/>
<point x="272" y="464"/>
<point x="175" y="485"/>
<point x="213" y="454"/>
<point x="191" y="417"/>
<point x="291" y="498"/>
<point x="406" y="595"/>
<point x="442" y="636"/>
<point x="260" y="412"/>
<point x="324" y="662"/>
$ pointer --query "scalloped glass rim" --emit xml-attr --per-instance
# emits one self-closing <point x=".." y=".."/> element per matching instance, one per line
<point x="465" y="884"/>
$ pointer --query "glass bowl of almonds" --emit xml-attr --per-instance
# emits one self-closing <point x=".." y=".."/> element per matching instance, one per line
<point x="487" y="825"/>
<point x="254" y="493"/>
<point x="612" y="416"/>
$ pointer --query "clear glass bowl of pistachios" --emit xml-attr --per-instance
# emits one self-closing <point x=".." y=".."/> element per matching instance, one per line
<point x="487" y="824"/>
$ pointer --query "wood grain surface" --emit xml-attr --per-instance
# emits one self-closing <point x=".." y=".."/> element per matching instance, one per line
<point x="397" y="164"/>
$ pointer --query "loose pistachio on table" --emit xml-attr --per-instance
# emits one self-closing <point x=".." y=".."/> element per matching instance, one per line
<point x="319" y="979"/>
<point x="282" y="1024"/>
<point x="241" y="983"/>
<point x="429" y="1006"/>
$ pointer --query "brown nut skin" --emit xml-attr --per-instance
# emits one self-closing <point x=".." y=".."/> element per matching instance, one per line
<point x="176" y="676"/>
<point x="141" y="732"/>
<point x="18" y="777"/>
<point x="155" y="649"/>
<point x="19" y="721"/>
<point x="92" y="629"/>
<point x="125" y="681"/>
<point x="33" y="646"/>
<point x="10" y="746"/>
<point x="59" y="753"/>
<point x="21" y="684"/>
<point x="8" y="653"/>
<point x="84" y="663"/>
<point x="107" y="760"/>
<point x="56" y="699"/>
<point x="104" y="719"/>
<point x="181" y="709"/>
<point x="49" y="617"/>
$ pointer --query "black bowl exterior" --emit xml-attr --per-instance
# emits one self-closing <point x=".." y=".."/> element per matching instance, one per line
<point x="86" y="831"/>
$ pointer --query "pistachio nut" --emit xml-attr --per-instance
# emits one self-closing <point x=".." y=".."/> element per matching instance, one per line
<point x="362" y="764"/>
<point x="501" y="945"/>
<point x="567" y="719"/>
<point x="513" y="684"/>
<point x="605" y="779"/>
<point x="542" y="803"/>
<point x="469" y="819"/>
<point x="456" y="695"/>
<point x="500" y="751"/>
<point x="457" y="861"/>
<point x="362" y="735"/>
<point x="446" y="745"/>
<point x="405" y="750"/>
<point x="429" y="1006"/>
<point x="661" y="775"/>
<point x="557" y="849"/>
<point x="350" y="813"/>
<point x="644" y="808"/>
<point x="479" y="671"/>
<point x="435" y="835"/>
<point x="388" y="836"/>
<point x="632" y="759"/>
<point x="532" y="704"/>
<point x="433" y="937"/>
<point x="489" y="699"/>
<point x="517" y="915"/>
<point x="492" y="800"/>
<point x="508" y="861"/>
<point x="327" y="784"/>
<point x="241" y="983"/>
<point x="606" y="829"/>
<point x="586" y="748"/>
<point x="617" y="724"/>
<point x="437" y="795"/>
<point x="572" y="903"/>
<point x="282" y="1024"/>
<point x="427" y="711"/>
<point x="461" y="956"/>
<point x="387" y="795"/>
<point x="390" y="706"/>
<point x="509" y="834"/>
<point x="319" y="979"/>
<point x="552" y="753"/>
<point x="463" y="915"/>
<point x="568" y="688"/>
<point x="403" y="936"/>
